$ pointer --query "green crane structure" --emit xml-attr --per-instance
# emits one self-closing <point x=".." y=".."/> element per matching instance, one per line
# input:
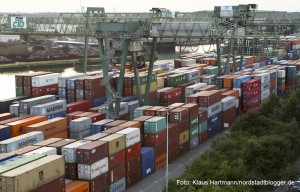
<point x="239" y="27"/>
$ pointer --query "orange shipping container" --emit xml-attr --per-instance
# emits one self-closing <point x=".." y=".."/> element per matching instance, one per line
<point x="49" y="127"/>
<point x="160" y="161"/>
<point x="228" y="81"/>
<point x="233" y="93"/>
<point x="78" y="186"/>
<point x="63" y="135"/>
<point x="19" y="127"/>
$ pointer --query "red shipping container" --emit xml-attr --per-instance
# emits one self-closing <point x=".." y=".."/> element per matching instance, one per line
<point x="82" y="105"/>
<point x="114" y="129"/>
<point x="94" y="82"/>
<point x="116" y="159"/>
<point x="170" y="94"/>
<point x="184" y="148"/>
<point x="253" y="83"/>
<point x="94" y="116"/>
<point x="27" y="78"/>
<point x="79" y="83"/>
<point x="183" y="86"/>
<point x="128" y="81"/>
<point x="202" y="116"/>
<point x="46" y="90"/>
<point x="94" y="93"/>
<point x="133" y="178"/>
<point x="127" y="91"/>
<point x="178" y="115"/>
<point x="203" y="137"/>
<point x="92" y="152"/>
<point x="5" y="116"/>
<point x="160" y="149"/>
<point x="207" y="88"/>
<point x="193" y="98"/>
<point x="152" y="96"/>
<point x="183" y="126"/>
<point x="153" y="140"/>
<point x="6" y="121"/>
<point x="100" y="183"/>
<point x="27" y="91"/>
<point x="71" y="93"/>
<point x="229" y="117"/>
<point x="133" y="151"/>
<point x="251" y="94"/>
<point x="124" y="117"/>
<point x="19" y="80"/>
<point x="133" y="164"/>
<point x="57" y="185"/>
<point x="251" y="102"/>
<point x="152" y="111"/>
<point x="208" y="98"/>
<point x="71" y="171"/>
<point x="173" y="154"/>
<point x="192" y="108"/>
<point x="113" y="124"/>
<point x="163" y="112"/>
<point x="117" y="172"/>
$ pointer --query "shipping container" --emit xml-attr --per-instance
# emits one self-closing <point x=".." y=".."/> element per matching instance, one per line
<point x="114" y="123"/>
<point x="70" y="150"/>
<point x="138" y="112"/>
<point x="57" y="184"/>
<point x="78" y="186"/>
<point x="160" y="162"/>
<point x="116" y="143"/>
<point x="45" y="80"/>
<point x="116" y="159"/>
<point x="155" y="125"/>
<point x="147" y="155"/>
<point x="88" y="172"/>
<point x="6" y="156"/>
<point x="43" y="151"/>
<point x="208" y="98"/>
<point x="118" y="186"/>
<point x="80" y="124"/>
<point x="45" y="90"/>
<point x="49" y="108"/>
<point x="71" y="171"/>
<point x="5" y="116"/>
<point x="21" y="141"/>
<point x="25" y="105"/>
<point x="48" y="142"/>
<point x="49" y="127"/>
<point x="117" y="173"/>
<point x="133" y="178"/>
<point x="96" y="136"/>
<point x="92" y="152"/>
<point x="28" y="177"/>
<point x="98" y="127"/>
<point x="213" y="109"/>
<point x="100" y="183"/>
<point x="228" y="102"/>
<point x="5" y="103"/>
<point x="194" y="143"/>
<point x="58" y="145"/>
<point x="83" y="105"/>
<point x="133" y="151"/>
<point x="4" y="132"/>
<point x="132" y="136"/>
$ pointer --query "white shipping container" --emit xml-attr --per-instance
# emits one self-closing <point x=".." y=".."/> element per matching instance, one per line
<point x="49" y="108"/>
<point x="186" y="62"/>
<point x="132" y="136"/>
<point x="80" y="124"/>
<point x="45" y="80"/>
<point x="89" y="172"/>
<point x="14" y="109"/>
<point x="265" y="94"/>
<point x="281" y="74"/>
<point x="190" y="89"/>
<point x="213" y="109"/>
<point x="123" y="108"/>
<point x="62" y="81"/>
<point x="21" y="141"/>
<point x="43" y="151"/>
<point x="70" y="151"/>
<point x="25" y="105"/>
<point x="265" y="86"/>
<point x="264" y="77"/>
<point x="118" y="186"/>
<point x="228" y="102"/>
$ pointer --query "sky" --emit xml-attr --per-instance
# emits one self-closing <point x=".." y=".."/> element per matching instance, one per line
<point x="32" y="6"/>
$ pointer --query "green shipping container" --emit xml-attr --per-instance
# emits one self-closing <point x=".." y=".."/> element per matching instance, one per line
<point x="194" y="121"/>
<point x="202" y="127"/>
<point x="194" y="132"/>
<point x="143" y="78"/>
<point x="177" y="79"/>
<point x="19" y="91"/>
<point x="211" y="71"/>
<point x="155" y="125"/>
<point x="20" y="162"/>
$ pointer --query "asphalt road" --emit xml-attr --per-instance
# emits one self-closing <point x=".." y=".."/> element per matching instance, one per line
<point x="156" y="182"/>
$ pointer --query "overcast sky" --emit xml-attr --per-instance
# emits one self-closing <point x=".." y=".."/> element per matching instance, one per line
<point x="30" y="6"/>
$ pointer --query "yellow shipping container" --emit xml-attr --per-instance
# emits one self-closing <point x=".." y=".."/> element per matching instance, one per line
<point x="116" y="143"/>
<point x="33" y="175"/>
<point x="184" y="137"/>
<point x="160" y="82"/>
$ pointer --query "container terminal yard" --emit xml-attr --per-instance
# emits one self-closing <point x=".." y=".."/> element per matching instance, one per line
<point x="126" y="115"/>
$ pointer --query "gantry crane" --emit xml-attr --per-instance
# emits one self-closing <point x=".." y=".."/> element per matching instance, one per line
<point x="240" y="26"/>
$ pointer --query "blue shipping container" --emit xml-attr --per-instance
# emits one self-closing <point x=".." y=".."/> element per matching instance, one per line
<point x="147" y="161"/>
<point x="60" y="114"/>
<point x="97" y="127"/>
<point x="70" y="100"/>
<point x="4" y="132"/>
<point x="214" y="119"/>
<point x="238" y="82"/>
<point x="99" y="101"/>
<point x="214" y="129"/>
<point x="291" y="69"/>
<point x="62" y="93"/>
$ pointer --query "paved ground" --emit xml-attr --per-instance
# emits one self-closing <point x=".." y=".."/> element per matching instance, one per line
<point x="156" y="182"/>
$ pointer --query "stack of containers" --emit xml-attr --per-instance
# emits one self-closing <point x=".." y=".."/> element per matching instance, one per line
<point x="98" y="127"/>
<point x="95" y="116"/>
<point x="203" y="134"/>
<point x="132" y="155"/>
<point x="155" y="136"/>
<point x="70" y="153"/>
<point x="291" y="77"/>
<point x="138" y="112"/>
<point x="60" y="144"/>
<point x="265" y="85"/>
<point x="83" y="105"/>
<point x="210" y="101"/>
<point x="181" y="117"/>
<point x="5" y="103"/>
<point x="128" y="85"/>
<point x="141" y="121"/>
<point x="190" y="90"/>
<point x="45" y="84"/>
<point x="176" y="79"/>
<point x="238" y="83"/>
<point x="228" y="111"/>
<point x="273" y="81"/>
<point x="220" y="81"/>
<point x="182" y="87"/>
<point x="170" y="96"/>
<point x="71" y="89"/>
<point x="50" y="110"/>
<point x="94" y="90"/>
<point x="152" y="111"/>
<point x="26" y="104"/>
<point x="43" y="151"/>
<point x="162" y="90"/>
<point x="117" y="168"/>
<point x="93" y="166"/>
<point x="251" y="95"/>
<point x="281" y="80"/>
<point x="193" y="124"/>
<point x="53" y="128"/>
<point x="79" y="92"/>
<point x="173" y="144"/>
<point x="96" y="136"/>
<point x="209" y="79"/>
<point x="132" y="105"/>
<point x="62" y="85"/>
<point x="4" y="132"/>
<point x="124" y="111"/>
<point x="80" y="128"/>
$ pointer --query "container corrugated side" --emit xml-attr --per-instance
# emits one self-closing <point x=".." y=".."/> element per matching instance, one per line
<point x="88" y="172"/>
<point x="34" y="174"/>
<point x="49" y="108"/>
<point x="26" y="104"/>
<point x="116" y="143"/>
<point x="132" y="135"/>
<point x="43" y="151"/>
<point x="70" y="151"/>
<point x="21" y="141"/>
<point x="44" y="80"/>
